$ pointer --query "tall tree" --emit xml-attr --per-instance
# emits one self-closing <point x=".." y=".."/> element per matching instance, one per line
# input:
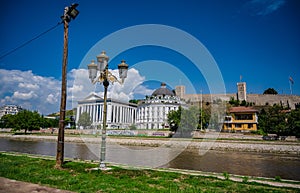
<point x="270" y="91"/>
<point x="84" y="120"/>
<point x="7" y="121"/>
<point x="293" y="123"/>
<point x="27" y="120"/>
<point x="174" y="119"/>
<point x="274" y="120"/>
<point x="189" y="121"/>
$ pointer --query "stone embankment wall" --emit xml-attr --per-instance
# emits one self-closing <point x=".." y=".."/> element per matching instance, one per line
<point x="114" y="132"/>
<point x="202" y="145"/>
<point x="223" y="145"/>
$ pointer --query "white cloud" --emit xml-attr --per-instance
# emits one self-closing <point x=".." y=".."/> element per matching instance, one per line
<point x="24" y="96"/>
<point x="264" y="7"/>
<point x="82" y="86"/>
<point x="142" y="90"/>
<point x="29" y="90"/>
<point x="52" y="99"/>
<point x="79" y="86"/>
<point x="40" y="93"/>
<point x="28" y="86"/>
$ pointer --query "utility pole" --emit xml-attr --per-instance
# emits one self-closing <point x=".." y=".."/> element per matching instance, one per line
<point x="69" y="12"/>
<point x="201" y="123"/>
<point x="62" y="112"/>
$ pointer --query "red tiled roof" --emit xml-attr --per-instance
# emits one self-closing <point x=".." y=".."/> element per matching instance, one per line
<point x="242" y="110"/>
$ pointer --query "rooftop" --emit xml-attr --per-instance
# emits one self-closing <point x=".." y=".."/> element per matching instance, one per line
<point x="242" y="110"/>
<point x="163" y="90"/>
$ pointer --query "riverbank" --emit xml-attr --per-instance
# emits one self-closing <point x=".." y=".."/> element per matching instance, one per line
<point x="79" y="177"/>
<point x="239" y="145"/>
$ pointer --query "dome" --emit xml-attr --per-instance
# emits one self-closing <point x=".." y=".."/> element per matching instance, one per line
<point x="163" y="90"/>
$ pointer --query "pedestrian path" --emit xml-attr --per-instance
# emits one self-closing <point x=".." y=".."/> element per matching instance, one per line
<point x="13" y="186"/>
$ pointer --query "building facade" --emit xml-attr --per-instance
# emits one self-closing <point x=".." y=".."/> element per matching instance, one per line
<point x="241" y="119"/>
<point x="152" y="113"/>
<point x="9" y="110"/>
<point x="119" y="114"/>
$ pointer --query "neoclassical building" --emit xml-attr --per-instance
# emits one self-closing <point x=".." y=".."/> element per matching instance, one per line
<point x="152" y="112"/>
<point x="119" y="114"/>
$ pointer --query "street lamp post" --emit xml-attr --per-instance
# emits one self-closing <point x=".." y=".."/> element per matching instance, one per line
<point x="100" y="73"/>
<point x="69" y="13"/>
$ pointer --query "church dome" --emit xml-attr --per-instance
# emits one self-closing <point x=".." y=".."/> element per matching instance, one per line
<point x="163" y="91"/>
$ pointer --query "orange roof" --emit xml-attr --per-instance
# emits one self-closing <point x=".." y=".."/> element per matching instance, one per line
<point x="242" y="110"/>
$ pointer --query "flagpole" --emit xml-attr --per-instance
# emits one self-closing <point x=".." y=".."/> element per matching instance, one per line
<point x="291" y="89"/>
<point x="291" y="84"/>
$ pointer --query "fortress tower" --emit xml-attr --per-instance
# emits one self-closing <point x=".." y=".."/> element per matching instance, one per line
<point x="241" y="91"/>
<point x="180" y="91"/>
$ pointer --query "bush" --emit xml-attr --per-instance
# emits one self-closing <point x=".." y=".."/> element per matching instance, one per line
<point x="277" y="178"/>
<point x="226" y="175"/>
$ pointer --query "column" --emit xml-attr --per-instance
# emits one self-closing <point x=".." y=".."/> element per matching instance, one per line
<point x="78" y="113"/>
<point x="94" y="113"/>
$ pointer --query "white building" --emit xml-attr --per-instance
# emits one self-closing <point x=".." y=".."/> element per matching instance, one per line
<point x="9" y="110"/>
<point x="119" y="114"/>
<point x="153" y="111"/>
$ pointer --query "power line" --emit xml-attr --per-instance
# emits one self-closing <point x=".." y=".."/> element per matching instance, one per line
<point x="29" y="41"/>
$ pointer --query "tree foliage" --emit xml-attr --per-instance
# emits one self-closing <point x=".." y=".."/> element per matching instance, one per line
<point x="189" y="121"/>
<point x="278" y="121"/>
<point x="237" y="102"/>
<point x="293" y="123"/>
<point x="234" y="102"/>
<point x="174" y="119"/>
<point x="270" y="91"/>
<point x="84" y="120"/>
<point x="135" y="101"/>
<point x="184" y="121"/>
<point x="27" y="120"/>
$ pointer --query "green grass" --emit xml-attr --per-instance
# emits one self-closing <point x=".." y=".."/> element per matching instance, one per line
<point x="77" y="177"/>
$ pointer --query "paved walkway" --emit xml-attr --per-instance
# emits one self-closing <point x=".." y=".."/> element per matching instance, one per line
<point x="13" y="186"/>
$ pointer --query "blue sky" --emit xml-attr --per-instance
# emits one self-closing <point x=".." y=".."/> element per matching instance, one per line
<point x="256" y="39"/>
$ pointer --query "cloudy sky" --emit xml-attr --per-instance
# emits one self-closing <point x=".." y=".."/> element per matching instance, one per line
<point x="207" y="45"/>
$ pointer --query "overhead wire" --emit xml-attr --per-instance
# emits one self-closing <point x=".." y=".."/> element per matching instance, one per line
<point x="29" y="41"/>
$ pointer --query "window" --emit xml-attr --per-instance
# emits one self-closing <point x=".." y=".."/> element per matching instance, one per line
<point x="238" y="125"/>
<point x="227" y="118"/>
<point x="243" y="117"/>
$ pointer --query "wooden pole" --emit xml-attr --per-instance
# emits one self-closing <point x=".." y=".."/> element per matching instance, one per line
<point x="61" y="131"/>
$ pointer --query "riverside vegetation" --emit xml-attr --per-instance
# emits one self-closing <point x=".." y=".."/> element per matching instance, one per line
<point x="78" y="177"/>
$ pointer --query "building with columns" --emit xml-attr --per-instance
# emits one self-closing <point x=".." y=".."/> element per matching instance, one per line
<point x="152" y="112"/>
<point x="119" y="114"/>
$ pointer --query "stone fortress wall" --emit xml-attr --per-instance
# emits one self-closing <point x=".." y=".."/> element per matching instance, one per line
<point x="257" y="99"/>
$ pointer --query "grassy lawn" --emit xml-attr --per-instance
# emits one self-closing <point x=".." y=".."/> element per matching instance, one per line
<point x="77" y="177"/>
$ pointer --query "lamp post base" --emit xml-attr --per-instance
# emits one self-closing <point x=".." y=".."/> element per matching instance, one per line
<point x="102" y="167"/>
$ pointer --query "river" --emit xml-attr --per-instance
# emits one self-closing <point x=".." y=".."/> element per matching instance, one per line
<point x="242" y="163"/>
